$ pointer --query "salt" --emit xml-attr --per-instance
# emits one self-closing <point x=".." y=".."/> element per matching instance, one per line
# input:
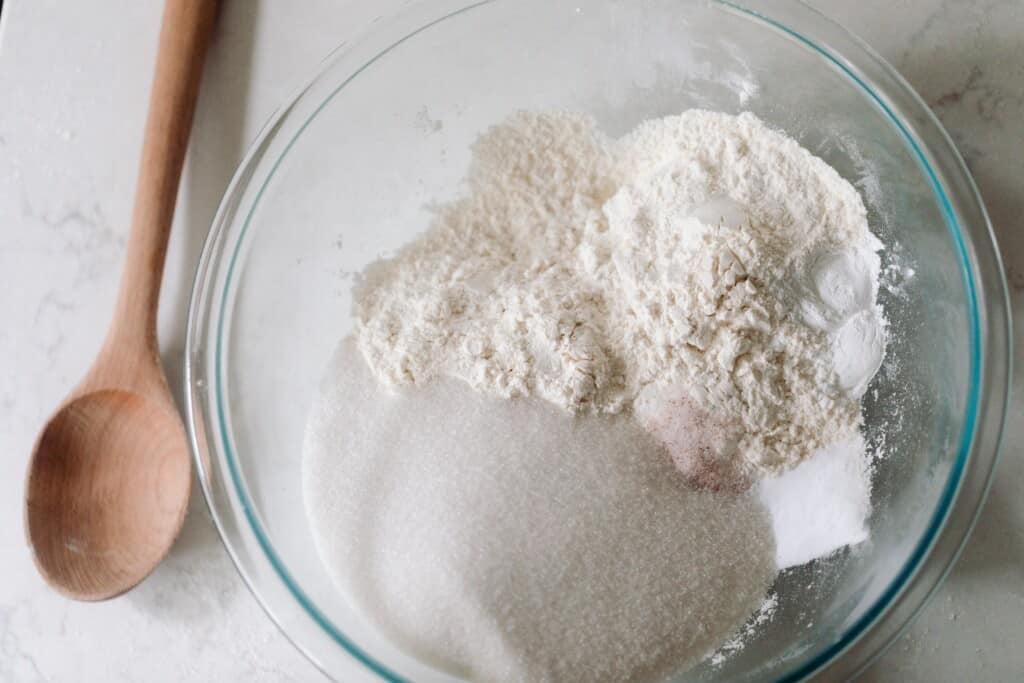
<point x="508" y="540"/>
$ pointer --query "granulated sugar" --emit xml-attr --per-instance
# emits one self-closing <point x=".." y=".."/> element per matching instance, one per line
<point x="508" y="540"/>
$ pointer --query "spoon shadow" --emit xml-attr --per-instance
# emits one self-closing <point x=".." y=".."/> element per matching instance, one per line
<point x="218" y="143"/>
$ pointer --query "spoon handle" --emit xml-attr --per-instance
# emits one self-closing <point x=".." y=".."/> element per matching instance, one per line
<point x="184" y="35"/>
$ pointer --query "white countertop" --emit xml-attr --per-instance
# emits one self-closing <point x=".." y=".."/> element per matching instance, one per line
<point x="74" y="78"/>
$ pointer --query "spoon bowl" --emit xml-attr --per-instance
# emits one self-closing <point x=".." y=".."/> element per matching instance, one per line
<point x="107" y="492"/>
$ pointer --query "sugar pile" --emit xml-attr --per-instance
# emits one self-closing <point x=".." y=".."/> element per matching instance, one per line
<point x="511" y="541"/>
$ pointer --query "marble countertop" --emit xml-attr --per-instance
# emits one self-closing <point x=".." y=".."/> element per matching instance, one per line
<point x="73" y="84"/>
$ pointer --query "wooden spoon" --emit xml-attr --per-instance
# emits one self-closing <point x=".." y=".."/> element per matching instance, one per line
<point x="109" y="479"/>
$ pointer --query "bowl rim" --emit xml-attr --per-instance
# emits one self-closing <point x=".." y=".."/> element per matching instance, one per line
<point x="981" y="271"/>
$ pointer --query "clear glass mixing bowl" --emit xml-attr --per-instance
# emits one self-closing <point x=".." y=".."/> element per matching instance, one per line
<point x="346" y="172"/>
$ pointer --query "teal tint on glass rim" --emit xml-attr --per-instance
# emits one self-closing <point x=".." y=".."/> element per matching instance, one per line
<point x="346" y="172"/>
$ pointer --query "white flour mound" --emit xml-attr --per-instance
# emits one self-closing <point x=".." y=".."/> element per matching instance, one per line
<point x="585" y="271"/>
<point x="512" y="541"/>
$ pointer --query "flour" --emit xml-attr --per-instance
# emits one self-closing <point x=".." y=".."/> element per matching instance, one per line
<point x="703" y="257"/>
<point x="764" y="615"/>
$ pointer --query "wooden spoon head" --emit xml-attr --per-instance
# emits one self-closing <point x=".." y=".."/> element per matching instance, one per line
<point x="107" y="490"/>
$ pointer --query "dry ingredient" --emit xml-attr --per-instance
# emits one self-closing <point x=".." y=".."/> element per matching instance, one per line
<point x="511" y="541"/>
<point x="821" y="505"/>
<point x="700" y="293"/>
<point x="682" y="257"/>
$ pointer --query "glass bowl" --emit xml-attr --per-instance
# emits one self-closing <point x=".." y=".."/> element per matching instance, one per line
<point x="346" y="172"/>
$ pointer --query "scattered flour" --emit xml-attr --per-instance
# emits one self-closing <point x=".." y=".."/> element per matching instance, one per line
<point x="511" y="541"/>
<point x="680" y="258"/>
<point x="765" y="613"/>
